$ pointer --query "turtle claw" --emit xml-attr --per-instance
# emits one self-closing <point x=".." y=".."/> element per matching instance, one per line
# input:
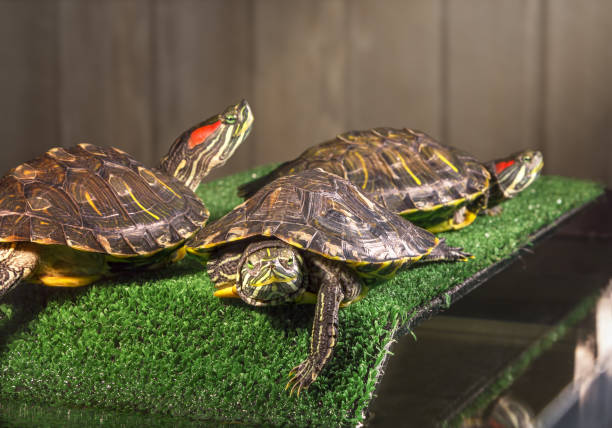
<point x="464" y="255"/>
<point x="457" y="253"/>
<point x="294" y="370"/>
<point x="302" y="376"/>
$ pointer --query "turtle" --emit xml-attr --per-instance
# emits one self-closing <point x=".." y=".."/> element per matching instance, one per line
<point x="311" y="237"/>
<point x="77" y="214"/>
<point x="435" y="186"/>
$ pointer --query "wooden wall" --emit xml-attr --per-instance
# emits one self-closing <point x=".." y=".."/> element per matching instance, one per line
<point x="490" y="77"/>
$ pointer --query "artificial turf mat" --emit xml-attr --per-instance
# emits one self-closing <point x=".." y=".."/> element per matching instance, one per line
<point x="159" y="342"/>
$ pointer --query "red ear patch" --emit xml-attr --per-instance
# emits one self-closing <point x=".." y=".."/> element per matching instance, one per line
<point x="199" y="135"/>
<point x="500" y="166"/>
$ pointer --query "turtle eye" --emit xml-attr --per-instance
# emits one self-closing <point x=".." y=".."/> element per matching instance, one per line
<point x="290" y="261"/>
<point x="230" y="118"/>
<point x="250" y="265"/>
<point x="526" y="158"/>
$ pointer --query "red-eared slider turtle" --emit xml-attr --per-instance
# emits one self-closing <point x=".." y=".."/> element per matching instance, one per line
<point x="311" y="237"/>
<point x="74" y="215"/>
<point x="409" y="173"/>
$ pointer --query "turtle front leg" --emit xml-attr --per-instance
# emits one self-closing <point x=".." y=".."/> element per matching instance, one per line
<point x="17" y="262"/>
<point x="323" y="338"/>
<point x="338" y="285"/>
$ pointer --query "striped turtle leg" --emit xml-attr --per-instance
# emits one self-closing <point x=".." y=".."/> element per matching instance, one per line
<point x="222" y="267"/>
<point x="17" y="262"/>
<point x="337" y="285"/>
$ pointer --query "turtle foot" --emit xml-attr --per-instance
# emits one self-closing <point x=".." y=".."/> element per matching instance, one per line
<point x="456" y="254"/>
<point x="303" y="375"/>
<point x="460" y="255"/>
<point x="443" y="252"/>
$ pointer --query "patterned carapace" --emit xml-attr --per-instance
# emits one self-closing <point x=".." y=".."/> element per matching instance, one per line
<point x="96" y="199"/>
<point x="411" y="174"/>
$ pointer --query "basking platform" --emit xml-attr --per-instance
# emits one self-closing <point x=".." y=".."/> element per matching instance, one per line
<point x="158" y="346"/>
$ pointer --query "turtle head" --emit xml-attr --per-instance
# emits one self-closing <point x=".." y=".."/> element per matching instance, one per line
<point x="207" y="145"/>
<point x="270" y="273"/>
<point x="516" y="172"/>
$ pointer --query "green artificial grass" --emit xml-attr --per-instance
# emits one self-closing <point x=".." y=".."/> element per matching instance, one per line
<point x="159" y="342"/>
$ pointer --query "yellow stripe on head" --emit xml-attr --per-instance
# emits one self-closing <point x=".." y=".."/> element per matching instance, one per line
<point x="182" y="164"/>
<point x="243" y="130"/>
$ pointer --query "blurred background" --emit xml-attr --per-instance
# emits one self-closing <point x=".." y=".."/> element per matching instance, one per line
<point x="490" y="77"/>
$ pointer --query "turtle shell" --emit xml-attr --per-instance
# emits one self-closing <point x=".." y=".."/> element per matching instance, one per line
<point x="99" y="200"/>
<point x="320" y="212"/>
<point x="403" y="170"/>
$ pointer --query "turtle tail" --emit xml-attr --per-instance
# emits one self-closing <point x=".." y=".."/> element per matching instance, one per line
<point x="444" y="252"/>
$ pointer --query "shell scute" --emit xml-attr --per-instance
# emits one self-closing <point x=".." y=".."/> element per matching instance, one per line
<point x="183" y="226"/>
<point x="157" y="183"/>
<point x="117" y="244"/>
<point x="15" y="227"/>
<point x="12" y="199"/>
<point x="24" y="172"/>
<point x="140" y="241"/>
<point x="60" y="154"/>
<point x="48" y="170"/>
<point x="51" y="203"/>
<point x="44" y="231"/>
<point x="82" y="239"/>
